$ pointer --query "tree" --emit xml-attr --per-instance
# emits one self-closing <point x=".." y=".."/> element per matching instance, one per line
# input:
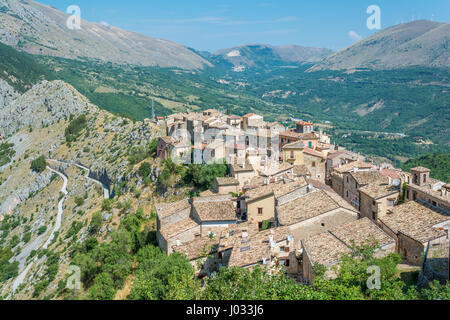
<point x="145" y="170"/>
<point x="161" y="277"/>
<point x="202" y="176"/>
<point x="96" y="223"/>
<point x="352" y="276"/>
<point x="103" y="287"/>
<point x="258" y="284"/>
<point x="39" y="164"/>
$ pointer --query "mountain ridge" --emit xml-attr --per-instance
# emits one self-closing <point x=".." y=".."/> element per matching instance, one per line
<point x="417" y="43"/>
<point x="39" y="29"/>
<point x="262" y="55"/>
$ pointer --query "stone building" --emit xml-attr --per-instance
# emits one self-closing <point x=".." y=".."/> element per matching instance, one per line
<point x="246" y="247"/>
<point x="313" y="213"/>
<point x="327" y="248"/>
<point x="337" y="174"/>
<point x="428" y="191"/>
<point x="293" y="153"/>
<point x="316" y="162"/>
<point x="377" y="199"/>
<point x="414" y="226"/>
<point x="226" y="185"/>
<point x="354" y="180"/>
<point x="202" y="254"/>
<point x="213" y="214"/>
<point x="183" y="221"/>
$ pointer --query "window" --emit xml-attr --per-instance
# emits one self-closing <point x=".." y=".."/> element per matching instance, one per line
<point x="286" y="263"/>
<point x="347" y="194"/>
<point x="260" y="211"/>
<point x="310" y="144"/>
<point x="292" y="154"/>
<point x="391" y="203"/>
<point x="314" y="164"/>
<point x="281" y="249"/>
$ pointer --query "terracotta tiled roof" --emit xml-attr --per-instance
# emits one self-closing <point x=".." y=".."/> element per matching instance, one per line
<point x="298" y="135"/>
<point x="164" y="210"/>
<point x="352" y="165"/>
<point x="361" y="232"/>
<point x="427" y="190"/>
<point x="309" y="206"/>
<point x="215" y="210"/>
<point x="415" y="221"/>
<point x="393" y="174"/>
<point x="367" y="177"/>
<point x="304" y="123"/>
<point x="238" y="168"/>
<point x="324" y="249"/>
<point x="258" y="193"/>
<point x="276" y="170"/>
<point x="314" y="153"/>
<point x="254" y="248"/>
<point x="198" y="247"/>
<point x="319" y="185"/>
<point x="227" y="181"/>
<point x="420" y="169"/>
<point x="301" y="170"/>
<point x="294" y="145"/>
<point x="335" y="154"/>
<point x="177" y="228"/>
<point x="230" y="236"/>
<point x="282" y="189"/>
<point x="376" y="191"/>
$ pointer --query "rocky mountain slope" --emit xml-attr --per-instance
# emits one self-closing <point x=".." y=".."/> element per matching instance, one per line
<point x="7" y="93"/>
<point x="40" y="29"/>
<point x="262" y="55"/>
<point x="43" y="217"/>
<point x="418" y="43"/>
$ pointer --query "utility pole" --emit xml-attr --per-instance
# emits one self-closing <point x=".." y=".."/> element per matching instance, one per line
<point x="153" y="111"/>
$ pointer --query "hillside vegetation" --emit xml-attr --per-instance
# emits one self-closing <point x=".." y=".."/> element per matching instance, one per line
<point x="20" y="69"/>
<point x="438" y="163"/>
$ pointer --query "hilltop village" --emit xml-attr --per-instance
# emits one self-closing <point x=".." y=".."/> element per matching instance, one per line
<point x="293" y="200"/>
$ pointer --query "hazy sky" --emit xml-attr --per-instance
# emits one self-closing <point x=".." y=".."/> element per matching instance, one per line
<point x="215" y="24"/>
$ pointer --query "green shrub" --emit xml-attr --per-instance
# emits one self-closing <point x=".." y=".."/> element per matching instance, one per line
<point x="39" y="164"/>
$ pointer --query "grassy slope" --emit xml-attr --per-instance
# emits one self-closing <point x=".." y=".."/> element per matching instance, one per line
<point x="20" y="69"/>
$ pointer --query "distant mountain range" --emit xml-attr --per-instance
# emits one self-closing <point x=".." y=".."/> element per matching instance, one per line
<point x="418" y="43"/>
<point x="263" y="55"/>
<point x="40" y="29"/>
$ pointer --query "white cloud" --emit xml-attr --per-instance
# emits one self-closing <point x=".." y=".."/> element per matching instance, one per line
<point x="105" y="23"/>
<point x="354" y="36"/>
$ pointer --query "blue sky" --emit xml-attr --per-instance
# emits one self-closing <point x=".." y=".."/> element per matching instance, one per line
<point x="216" y="24"/>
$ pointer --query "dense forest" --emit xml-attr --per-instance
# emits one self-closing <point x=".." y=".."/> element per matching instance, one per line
<point x="439" y="164"/>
